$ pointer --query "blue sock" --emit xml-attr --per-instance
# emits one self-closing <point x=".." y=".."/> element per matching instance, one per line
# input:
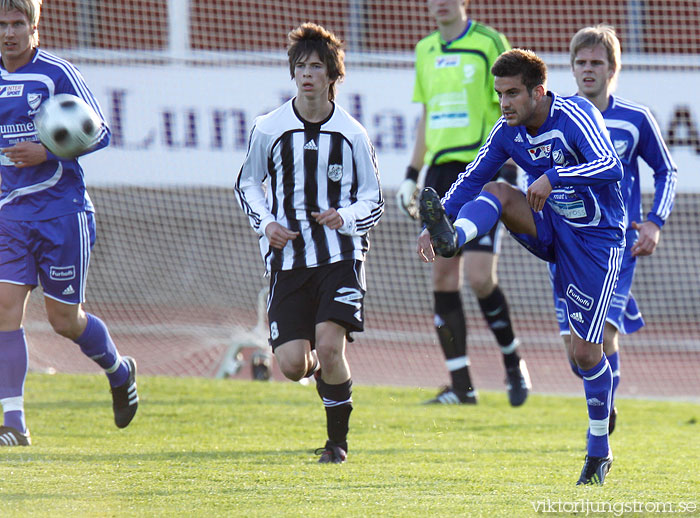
<point x="13" y="372"/>
<point x="96" y="344"/>
<point x="597" y="384"/>
<point x="477" y="217"/>
<point x="614" y="361"/>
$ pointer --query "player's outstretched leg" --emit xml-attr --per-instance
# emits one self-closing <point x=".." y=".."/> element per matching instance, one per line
<point x="442" y="233"/>
<point x="125" y="399"/>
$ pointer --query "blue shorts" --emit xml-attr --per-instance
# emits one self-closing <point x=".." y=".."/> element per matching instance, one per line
<point x="624" y="313"/>
<point x="54" y="252"/>
<point x="587" y="265"/>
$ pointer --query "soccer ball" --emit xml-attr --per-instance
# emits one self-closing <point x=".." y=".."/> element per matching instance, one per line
<point x="67" y="125"/>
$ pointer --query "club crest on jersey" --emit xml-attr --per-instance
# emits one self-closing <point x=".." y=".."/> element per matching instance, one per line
<point x="446" y="61"/>
<point x="34" y="100"/>
<point x="620" y="147"/>
<point x="558" y="156"/>
<point x="542" y="151"/>
<point x="11" y="90"/>
<point x="335" y="172"/>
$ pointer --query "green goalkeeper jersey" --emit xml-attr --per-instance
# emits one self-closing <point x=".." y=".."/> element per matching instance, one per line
<point x="454" y="82"/>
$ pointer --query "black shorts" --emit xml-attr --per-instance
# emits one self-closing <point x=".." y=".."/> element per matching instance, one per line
<point x="301" y="298"/>
<point x="441" y="177"/>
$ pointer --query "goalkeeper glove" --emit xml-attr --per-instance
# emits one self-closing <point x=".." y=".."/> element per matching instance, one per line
<point x="407" y="195"/>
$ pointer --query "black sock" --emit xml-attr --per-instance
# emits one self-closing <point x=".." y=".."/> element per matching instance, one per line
<point x="495" y="310"/>
<point x="451" y="328"/>
<point x="337" y="399"/>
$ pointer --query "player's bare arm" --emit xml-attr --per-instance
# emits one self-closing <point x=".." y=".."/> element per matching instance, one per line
<point x="649" y="234"/>
<point x="329" y="218"/>
<point x="538" y="193"/>
<point x="278" y="235"/>
<point x="26" y="154"/>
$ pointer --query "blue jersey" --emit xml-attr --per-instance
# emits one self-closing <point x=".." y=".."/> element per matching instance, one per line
<point x="57" y="186"/>
<point x="573" y="149"/>
<point x="635" y="134"/>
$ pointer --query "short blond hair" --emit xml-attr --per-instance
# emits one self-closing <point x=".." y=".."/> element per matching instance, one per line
<point x="603" y="35"/>
<point x="29" y="8"/>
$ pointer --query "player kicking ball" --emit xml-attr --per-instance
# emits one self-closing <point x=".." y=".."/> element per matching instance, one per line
<point x="572" y="215"/>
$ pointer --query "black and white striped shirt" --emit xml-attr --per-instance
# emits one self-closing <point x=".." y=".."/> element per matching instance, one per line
<point x="293" y="168"/>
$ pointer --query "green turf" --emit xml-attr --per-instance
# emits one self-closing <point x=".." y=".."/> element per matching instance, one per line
<point x="202" y="447"/>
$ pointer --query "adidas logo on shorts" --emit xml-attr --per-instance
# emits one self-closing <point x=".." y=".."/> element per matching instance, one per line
<point x="69" y="290"/>
<point x="578" y="317"/>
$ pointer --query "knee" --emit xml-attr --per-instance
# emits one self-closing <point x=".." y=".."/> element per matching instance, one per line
<point x="586" y="357"/>
<point x="481" y="283"/>
<point x="63" y="326"/>
<point x="328" y="354"/>
<point x="292" y="368"/>
<point x="495" y="188"/>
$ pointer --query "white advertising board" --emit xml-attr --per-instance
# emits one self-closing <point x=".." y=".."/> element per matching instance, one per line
<point x="189" y="126"/>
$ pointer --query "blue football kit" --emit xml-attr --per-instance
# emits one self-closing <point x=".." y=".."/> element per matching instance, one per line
<point x="47" y="227"/>
<point x="634" y="134"/>
<point x="582" y="227"/>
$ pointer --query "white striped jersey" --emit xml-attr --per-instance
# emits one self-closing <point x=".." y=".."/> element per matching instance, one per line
<point x="55" y="187"/>
<point x="635" y="134"/>
<point x="293" y="168"/>
<point x="573" y="149"/>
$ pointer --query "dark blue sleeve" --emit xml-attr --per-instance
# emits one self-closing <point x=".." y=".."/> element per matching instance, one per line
<point x="488" y="161"/>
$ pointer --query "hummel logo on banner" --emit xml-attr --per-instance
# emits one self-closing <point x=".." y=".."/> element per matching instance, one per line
<point x="518" y="138"/>
<point x="69" y="290"/>
<point x="577" y="316"/>
<point x="311" y="145"/>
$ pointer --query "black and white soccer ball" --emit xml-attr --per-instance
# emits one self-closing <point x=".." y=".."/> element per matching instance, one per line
<point x="67" y="125"/>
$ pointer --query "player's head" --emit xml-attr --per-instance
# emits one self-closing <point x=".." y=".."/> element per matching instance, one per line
<point x="446" y="12"/>
<point x="595" y="59"/>
<point x="31" y="9"/>
<point x="313" y="41"/>
<point x="520" y="79"/>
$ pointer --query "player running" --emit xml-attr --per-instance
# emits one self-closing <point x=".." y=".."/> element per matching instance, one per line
<point x="595" y="63"/>
<point x="572" y="215"/>
<point x="321" y="199"/>
<point x="47" y="226"/>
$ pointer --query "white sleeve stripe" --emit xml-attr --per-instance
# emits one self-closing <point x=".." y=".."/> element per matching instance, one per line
<point x="584" y="123"/>
<point x="74" y="77"/>
<point x="479" y="157"/>
<point x="588" y="169"/>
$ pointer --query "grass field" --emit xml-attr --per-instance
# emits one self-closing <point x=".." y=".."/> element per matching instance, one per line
<point x="203" y="447"/>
